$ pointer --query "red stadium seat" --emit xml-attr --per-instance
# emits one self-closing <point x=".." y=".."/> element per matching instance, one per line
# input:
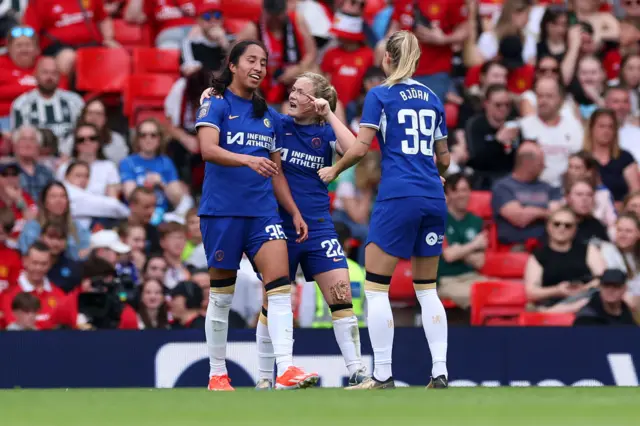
<point x="148" y="60"/>
<point x="546" y="319"/>
<point x="504" y="265"/>
<point x="145" y="92"/>
<point x="131" y="35"/>
<point x="451" y="111"/>
<point x="480" y="204"/>
<point x="234" y="26"/>
<point x="449" y="304"/>
<point x="145" y="114"/>
<point x="497" y="303"/>
<point x="250" y="10"/>
<point x="101" y="70"/>
<point x="402" y="283"/>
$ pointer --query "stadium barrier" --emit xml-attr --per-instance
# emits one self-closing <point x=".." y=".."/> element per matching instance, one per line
<point x="477" y="357"/>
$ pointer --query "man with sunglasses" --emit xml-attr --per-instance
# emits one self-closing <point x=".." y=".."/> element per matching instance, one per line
<point x="206" y="48"/>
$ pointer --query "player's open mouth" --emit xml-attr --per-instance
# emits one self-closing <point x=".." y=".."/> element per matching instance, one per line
<point x="254" y="76"/>
<point x="293" y="105"/>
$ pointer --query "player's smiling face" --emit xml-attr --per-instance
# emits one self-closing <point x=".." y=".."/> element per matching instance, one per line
<point x="251" y="68"/>
<point x="300" y="106"/>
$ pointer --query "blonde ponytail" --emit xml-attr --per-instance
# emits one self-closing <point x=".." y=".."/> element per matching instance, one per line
<point x="404" y="50"/>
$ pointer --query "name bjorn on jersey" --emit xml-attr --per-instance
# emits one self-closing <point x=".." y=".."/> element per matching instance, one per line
<point x="302" y="159"/>
<point x="414" y="94"/>
<point x="251" y="139"/>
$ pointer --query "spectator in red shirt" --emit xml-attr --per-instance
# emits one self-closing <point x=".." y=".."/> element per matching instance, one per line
<point x="66" y="25"/>
<point x="95" y="305"/>
<point x="25" y="309"/>
<point x="33" y="279"/>
<point x="10" y="261"/>
<point x="17" y="70"/>
<point x="170" y="21"/>
<point x="438" y="24"/>
<point x="15" y="198"/>
<point x="346" y="63"/>
<point x="292" y="49"/>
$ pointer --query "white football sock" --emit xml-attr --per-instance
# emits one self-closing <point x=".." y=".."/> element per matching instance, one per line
<point x="348" y="338"/>
<point x="380" y="323"/>
<point x="216" y="328"/>
<point x="434" y="321"/>
<point x="265" y="352"/>
<point x="280" y="326"/>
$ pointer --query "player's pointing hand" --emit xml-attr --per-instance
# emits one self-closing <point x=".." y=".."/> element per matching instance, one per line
<point x="263" y="166"/>
<point x="321" y="105"/>
<point x="327" y="174"/>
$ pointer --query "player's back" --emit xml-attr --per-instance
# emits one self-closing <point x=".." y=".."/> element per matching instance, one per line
<point x="410" y="119"/>
<point x="238" y="191"/>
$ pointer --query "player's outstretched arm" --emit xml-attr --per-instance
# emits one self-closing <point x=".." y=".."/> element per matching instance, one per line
<point x="345" y="138"/>
<point x="285" y="199"/>
<point x="354" y="154"/>
<point x="443" y="156"/>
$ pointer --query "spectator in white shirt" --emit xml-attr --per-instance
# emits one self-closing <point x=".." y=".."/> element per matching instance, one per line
<point x="559" y="136"/>
<point x="547" y="66"/>
<point x="104" y="178"/>
<point x="86" y="205"/>
<point x="618" y="99"/>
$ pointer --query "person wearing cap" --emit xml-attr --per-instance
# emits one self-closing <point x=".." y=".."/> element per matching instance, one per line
<point x="292" y="49"/>
<point x="185" y="305"/>
<point x="106" y="244"/>
<point x="14" y="197"/>
<point x="346" y="64"/>
<point x="607" y="306"/>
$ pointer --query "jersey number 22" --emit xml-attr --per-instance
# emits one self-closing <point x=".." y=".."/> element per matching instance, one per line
<point x="419" y="130"/>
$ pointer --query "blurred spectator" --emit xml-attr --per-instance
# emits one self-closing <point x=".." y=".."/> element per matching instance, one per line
<point x="605" y="26"/>
<point x="25" y="307"/>
<point x="491" y="140"/>
<point x="103" y="177"/>
<point x="114" y="146"/>
<point x="206" y="48"/>
<point x="142" y="204"/>
<point x="67" y="25"/>
<point x="464" y="244"/>
<point x="553" y="33"/>
<point x="292" y="49"/>
<point x="559" y="136"/>
<point x="155" y="268"/>
<point x="17" y="70"/>
<point x="587" y="89"/>
<point x="152" y="309"/>
<point x="85" y="205"/>
<point x="439" y="25"/>
<point x="193" y="253"/>
<point x="106" y="245"/>
<point x="54" y="204"/>
<point x="149" y="167"/>
<point x="317" y="16"/>
<point x="355" y="8"/>
<point x="65" y="272"/>
<point x="201" y="277"/>
<point x="629" y="27"/>
<point x="347" y="63"/>
<point x="15" y="198"/>
<point x="512" y="22"/>
<point x="186" y="303"/>
<point x="632" y="203"/>
<point x="135" y="237"/>
<point x="170" y="21"/>
<point x="582" y="166"/>
<point x="546" y="66"/>
<point x="373" y="77"/>
<point x="521" y="202"/>
<point x="580" y="199"/>
<point x="27" y="141"/>
<point x="625" y="253"/>
<point x="629" y="78"/>
<point x="47" y="106"/>
<point x="96" y="305"/>
<point x="173" y="237"/>
<point x="33" y="280"/>
<point x="560" y="275"/>
<point x="10" y="260"/>
<point x="491" y="73"/>
<point x="617" y="99"/>
<point x="607" y="306"/>
<point x="618" y="169"/>
<point x="49" y="155"/>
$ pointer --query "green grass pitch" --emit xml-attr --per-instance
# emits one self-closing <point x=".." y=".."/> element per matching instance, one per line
<point x="323" y="407"/>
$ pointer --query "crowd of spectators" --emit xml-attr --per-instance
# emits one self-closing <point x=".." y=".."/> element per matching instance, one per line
<point x="98" y="225"/>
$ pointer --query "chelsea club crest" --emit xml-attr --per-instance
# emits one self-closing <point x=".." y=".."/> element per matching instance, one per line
<point x="204" y="110"/>
<point x="267" y="123"/>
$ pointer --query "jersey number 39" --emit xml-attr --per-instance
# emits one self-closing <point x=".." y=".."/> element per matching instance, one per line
<point x="419" y="130"/>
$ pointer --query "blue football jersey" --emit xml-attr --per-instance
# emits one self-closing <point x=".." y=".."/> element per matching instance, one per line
<point x="305" y="150"/>
<point x="409" y="118"/>
<point x="239" y="191"/>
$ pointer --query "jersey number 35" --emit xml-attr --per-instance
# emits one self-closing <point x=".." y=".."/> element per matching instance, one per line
<point x="419" y="130"/>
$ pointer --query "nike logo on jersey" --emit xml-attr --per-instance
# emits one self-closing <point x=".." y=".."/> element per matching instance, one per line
<point x="338" y="259"/>
<point x="232" y="117"/>
<point x="288" y="134"/>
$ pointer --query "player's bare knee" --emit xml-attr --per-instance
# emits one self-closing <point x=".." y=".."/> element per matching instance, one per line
<point x="376" y="282"/>
<point x="263" y="316"/>
<point x="340" y="292"/>
<point x="341" y="310"/>
<point x="428" y="284"/>
<point x="223" y="285"/>
<point x="280" y="285"/>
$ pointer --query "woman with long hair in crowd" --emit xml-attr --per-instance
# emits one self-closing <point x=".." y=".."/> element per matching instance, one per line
<point x="152" y="307"/>
<point x="553" y="33"/>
